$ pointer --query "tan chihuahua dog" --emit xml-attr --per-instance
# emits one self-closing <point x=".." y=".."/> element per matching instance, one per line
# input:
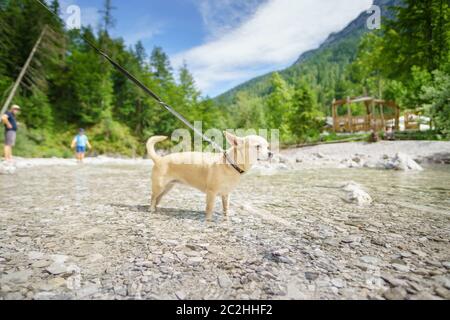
<point x="216" y="174"/>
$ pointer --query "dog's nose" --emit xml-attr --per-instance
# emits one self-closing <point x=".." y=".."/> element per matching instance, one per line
<point x="270" y="155"/>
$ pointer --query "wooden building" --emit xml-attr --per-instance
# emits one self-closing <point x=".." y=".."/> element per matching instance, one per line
<point x="379" y="114"/>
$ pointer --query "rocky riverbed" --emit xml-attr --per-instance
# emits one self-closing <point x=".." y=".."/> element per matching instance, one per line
<point x="85" y="232"/>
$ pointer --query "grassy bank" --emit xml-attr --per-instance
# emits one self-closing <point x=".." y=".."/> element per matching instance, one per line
<point x="107" y="138"/>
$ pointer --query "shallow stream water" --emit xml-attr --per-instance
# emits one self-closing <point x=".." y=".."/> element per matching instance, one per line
<point x="290" y="235"/>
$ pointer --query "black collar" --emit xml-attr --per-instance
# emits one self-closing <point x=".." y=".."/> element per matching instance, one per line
<point x="233" y="164"/>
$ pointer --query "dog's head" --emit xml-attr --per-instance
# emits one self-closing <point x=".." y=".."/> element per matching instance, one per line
<point x="250" y="149"/>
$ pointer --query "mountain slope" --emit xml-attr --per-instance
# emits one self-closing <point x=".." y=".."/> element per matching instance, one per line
<point x="323" y="68"/>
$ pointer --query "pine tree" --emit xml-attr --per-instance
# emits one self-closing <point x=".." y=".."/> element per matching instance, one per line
<point x="187" y="86"/>
<point x="304" y="117"/>
<point x="160" y="64"/>
<point x="140" y="53"/>
<point x="87" y="88"/>
<point x="107" y="18"/>
<point x="55" y="7"/>
<point x="367" y="69"/>
<point x="248" y="113"/>
<point x="278" y="105"/>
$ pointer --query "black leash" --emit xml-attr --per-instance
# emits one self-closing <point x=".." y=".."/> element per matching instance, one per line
<point x="149" y="92"/>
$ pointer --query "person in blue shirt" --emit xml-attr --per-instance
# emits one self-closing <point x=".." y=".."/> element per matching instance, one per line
<point x="80" y="143"/>
<point x="10" y="122"/>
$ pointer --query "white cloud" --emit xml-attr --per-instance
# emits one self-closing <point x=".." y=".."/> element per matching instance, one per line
<point x="275" y="35"/>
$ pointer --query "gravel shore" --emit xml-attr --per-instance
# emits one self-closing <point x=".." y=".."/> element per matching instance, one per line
<point x="342" y="155"/>
<point x="85" y="232"/>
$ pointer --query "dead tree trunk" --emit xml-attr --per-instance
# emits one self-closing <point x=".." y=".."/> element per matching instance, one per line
<point x="22" y="72"/>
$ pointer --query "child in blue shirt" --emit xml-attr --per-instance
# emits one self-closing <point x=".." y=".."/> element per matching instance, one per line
<point x="80" y="142"/>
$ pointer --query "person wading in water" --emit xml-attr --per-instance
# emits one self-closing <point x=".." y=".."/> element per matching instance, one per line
<point x="80" y="142"/>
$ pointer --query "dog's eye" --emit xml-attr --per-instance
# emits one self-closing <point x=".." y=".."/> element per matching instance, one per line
<point x="258" y="147"/>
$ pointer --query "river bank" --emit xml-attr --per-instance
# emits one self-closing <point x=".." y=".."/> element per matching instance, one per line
<point x="344" y="155"/>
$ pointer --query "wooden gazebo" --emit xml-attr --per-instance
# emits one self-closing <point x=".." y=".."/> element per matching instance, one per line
<point x="371" y="121"/>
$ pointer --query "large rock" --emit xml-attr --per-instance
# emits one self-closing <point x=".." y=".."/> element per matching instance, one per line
<point x="439" y="158"/>
<point x="402" y="162"/>
<point x="356" y="194"/>
<point x="6" y="168"/>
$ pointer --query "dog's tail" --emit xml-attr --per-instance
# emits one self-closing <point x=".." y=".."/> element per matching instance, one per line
<point x="151" y="147"/>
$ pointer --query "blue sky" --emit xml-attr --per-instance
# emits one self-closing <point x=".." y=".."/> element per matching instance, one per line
<point x="226" y="42"/>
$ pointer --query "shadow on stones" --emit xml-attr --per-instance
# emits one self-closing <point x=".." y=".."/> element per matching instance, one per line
<point x="182" y="214"/>
<point x="168" y="212"/>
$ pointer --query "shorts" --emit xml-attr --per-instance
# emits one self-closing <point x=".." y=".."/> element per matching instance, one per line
<point x="10" y="138"/>
<point x="81" y="149"/>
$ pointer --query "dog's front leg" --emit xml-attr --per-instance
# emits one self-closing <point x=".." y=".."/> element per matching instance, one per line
<point x="210" y="202"/>
<point x="226" y="204"/>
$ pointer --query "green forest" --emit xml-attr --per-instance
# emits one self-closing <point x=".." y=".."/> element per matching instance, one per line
<point x="69" y="86"/>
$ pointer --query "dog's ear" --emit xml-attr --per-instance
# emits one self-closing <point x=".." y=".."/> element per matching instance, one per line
<point x="232" y="139"/>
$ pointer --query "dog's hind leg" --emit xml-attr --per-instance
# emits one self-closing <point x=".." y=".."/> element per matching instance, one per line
<point x="166" y="190"/>
<point x="210" y="202"/>
<point x="154" y="204"/>
<point x="158" y="190"/>
<point x="226" y="204"/>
